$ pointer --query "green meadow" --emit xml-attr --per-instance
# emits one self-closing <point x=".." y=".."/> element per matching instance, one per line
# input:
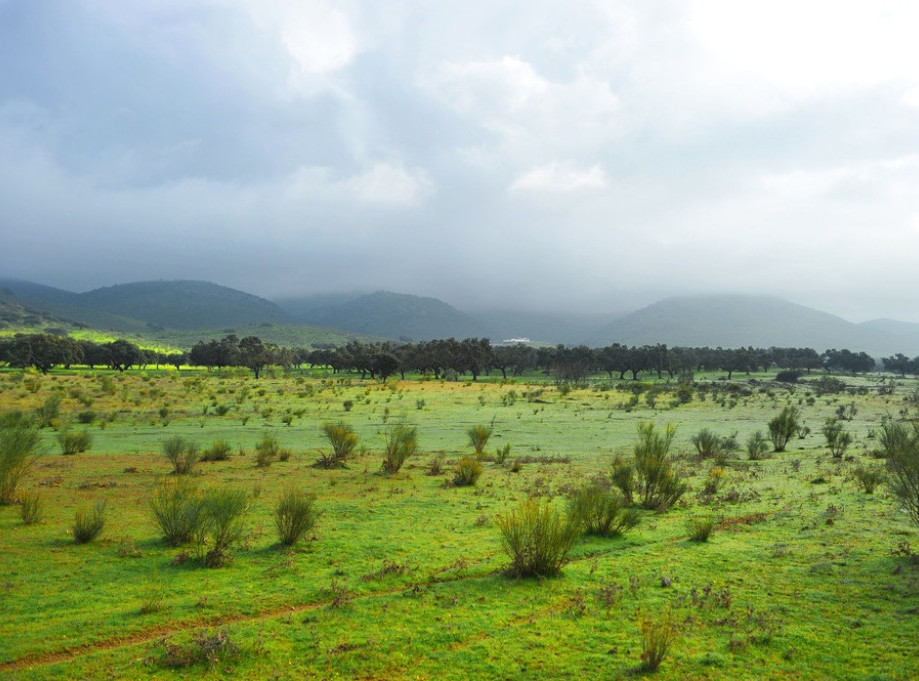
<point x="404" y="575"/>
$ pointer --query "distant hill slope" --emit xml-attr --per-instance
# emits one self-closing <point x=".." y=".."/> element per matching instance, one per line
<point x="395" y="315"/>
<point x="737" y="321"/>
<point x="153" y="304"/>
<point x="185" y="304"/>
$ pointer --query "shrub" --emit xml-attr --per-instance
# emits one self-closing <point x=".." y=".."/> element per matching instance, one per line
<point x="869" y="477"/>
<point x="467" y="471"/>
<point x="623" y="477"/>
<point x="657" y="485"/>
<point x="400" y="443"/>
<point x="219" y="451"/>
<point x="714" y="480"/>
<point x="294" y="515"/>
<point x="48" y="411"/>
<point x="88" y="523"/>
<point x="18" y="445"/>
<point x="30" y="508"/>
<point x="436" y="465"/>
<point x="657" y="636"/>
<point x="700" y="529"/>
<point x="782" y="427"/>
<point x="712" y="446"/>
<point x="502" y="454"/>
<point x="478" y="438"/>
<point x="86" y="417"/>
<point x="223" y="510"/>
<point x="758" y="446"/>
<point x="901" y="447"/>
<point x="211" y="648"/>
<point x="601" y="511"/>
<point x="182" y="454"/>
<point x="74" y="442"/>
<point x="177" y="509"/>
<point x="267" y="450"/>
<point x="343" y="440"/>
<point x="837" y="437"/>
<point x="536" y="538"/>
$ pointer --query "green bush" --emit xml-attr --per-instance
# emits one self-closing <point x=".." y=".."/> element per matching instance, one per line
<point x="343" y="440"/>
<point x="757" y="446"/>
<point x="48" y="411"/>
<point x="537" y="539"/>
<point x="74" y="442"/>
<point x="86" y="417"/>
<point x="869" y="477"/>
<point x="88" y="523"/>
<point x="400" y="443"/>
<point x="783" y="427"/>
<point x="837" y="437"/>
<point x="711" y="446"/>
<point x="182" y="454"/>
<point x="219" y="451"/>
<point x="901" y="447"/>
<point x="651" y="479"/>
<point x="478" y="438"/>
<point x="267" y="450"/>
<point x="178" y="510"/>
<point x="657" y="636"/>
<point x="294" y="515"/>
<point x="601" y="511"/>
<point x="467" y="471"/>
<point x="223" y="510"/>
<point x="18" y="452"/>
<point x="30" y="508"/>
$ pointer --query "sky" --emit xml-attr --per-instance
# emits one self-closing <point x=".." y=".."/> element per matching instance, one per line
<point x="552" y="155"/>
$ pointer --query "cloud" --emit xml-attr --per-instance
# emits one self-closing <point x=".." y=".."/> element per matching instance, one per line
<point x="560" y="177"/>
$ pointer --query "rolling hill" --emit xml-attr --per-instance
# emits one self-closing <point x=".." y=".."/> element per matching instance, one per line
<point x="392" y="315"/>
<point x="732" y="321"/>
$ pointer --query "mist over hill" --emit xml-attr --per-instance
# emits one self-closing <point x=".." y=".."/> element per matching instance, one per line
<point x="712" y="320"/>
<point x="732" y="321"/>
<point x="393" y="315"/>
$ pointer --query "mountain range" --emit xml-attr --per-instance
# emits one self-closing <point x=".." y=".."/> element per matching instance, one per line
<point x="190" y="306"/>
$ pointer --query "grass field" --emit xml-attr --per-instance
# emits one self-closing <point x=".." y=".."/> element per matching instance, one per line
<point x="805" y="576"/>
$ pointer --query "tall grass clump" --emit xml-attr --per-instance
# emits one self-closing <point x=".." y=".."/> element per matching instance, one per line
<point x="178" y="510"/>
<point x="223" y="510"/>
<point x="650" y="479"/>
<point x="182" y="454"/>
<point x="220" y="450"/>
<point x="711" y="446"/>
<point x="400" y="443"/>
<point x="74" y="442"/>
<point x="657" y="636"/>
<point x="30" y="508"/>
<point x="467" y="471"/>
<point x="18" y="452"/>
<point x="267" y="450"/>
<point x="869" y="477"/>
<point x="88" y="522"/>
<point x="602" y="511"/>
<point x="783" y="427"/>
<point x="536" y="538"/>
<point x="294" y="516"/>
<point x="343" y="440"/>
<point x="478" y="438"/>
<point x="700" y="529"/>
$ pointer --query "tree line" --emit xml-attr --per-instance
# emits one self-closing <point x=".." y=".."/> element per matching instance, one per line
<point x="471" y="357"/>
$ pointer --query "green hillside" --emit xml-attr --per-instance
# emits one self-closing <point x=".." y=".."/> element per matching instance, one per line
<point x="396" y="315"/>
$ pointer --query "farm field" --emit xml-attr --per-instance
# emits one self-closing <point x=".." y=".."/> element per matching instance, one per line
<point x="804" y="576"/>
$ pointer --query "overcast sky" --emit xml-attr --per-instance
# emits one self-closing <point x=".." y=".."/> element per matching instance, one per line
<point x="556" y="154"/>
